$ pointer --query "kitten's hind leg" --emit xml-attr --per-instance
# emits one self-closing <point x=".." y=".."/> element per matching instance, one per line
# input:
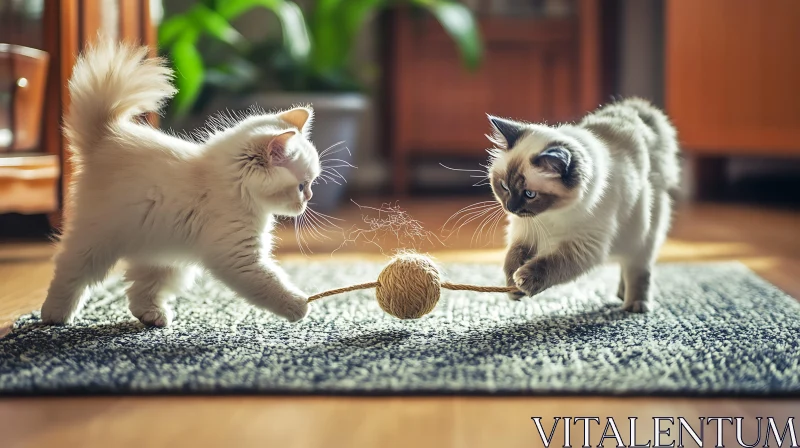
<point x="152" y="288"/>
<point x="638" y="293"/>
<point x="77" y="266"/>
<point x="621" y="287"/>
<point x="639" y="269"/>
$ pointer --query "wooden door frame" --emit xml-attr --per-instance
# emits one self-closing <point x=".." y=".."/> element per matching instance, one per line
<point x="61" y="43"/>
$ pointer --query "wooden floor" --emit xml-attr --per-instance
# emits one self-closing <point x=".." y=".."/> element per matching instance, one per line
<point x="768" y="241"/>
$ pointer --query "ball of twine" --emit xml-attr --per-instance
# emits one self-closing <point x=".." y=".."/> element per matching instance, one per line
<point x="409" y="287"/>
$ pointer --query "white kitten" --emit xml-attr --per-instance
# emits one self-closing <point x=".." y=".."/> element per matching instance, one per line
<point x="166" y="204"/>
<point x="577" y="195"/>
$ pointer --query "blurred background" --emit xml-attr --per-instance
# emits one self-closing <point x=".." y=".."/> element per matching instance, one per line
<point x="406" y="84"/>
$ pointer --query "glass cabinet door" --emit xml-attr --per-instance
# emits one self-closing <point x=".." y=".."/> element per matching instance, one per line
<point x="23" y="75"/>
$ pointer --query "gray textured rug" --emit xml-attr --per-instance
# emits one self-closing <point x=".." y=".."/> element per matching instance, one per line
<point x="718" y="330"/>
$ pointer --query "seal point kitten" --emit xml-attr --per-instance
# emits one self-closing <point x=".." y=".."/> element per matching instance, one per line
<point x="167" y="204"/>
<point x="577" y="195"/>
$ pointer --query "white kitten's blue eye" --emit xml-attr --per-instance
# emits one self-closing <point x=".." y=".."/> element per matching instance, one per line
<point x="301" y="187"/>
<point x="503" y="183"/>
<point x="530" y="194"/>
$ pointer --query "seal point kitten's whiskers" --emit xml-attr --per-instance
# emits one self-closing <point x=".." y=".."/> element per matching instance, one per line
<point x="578" y="195"/>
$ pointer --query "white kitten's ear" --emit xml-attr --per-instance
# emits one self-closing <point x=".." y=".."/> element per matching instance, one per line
<point x="506" y="132"/>
<point x="299" y="117"/>
<point x="277" y="147"/>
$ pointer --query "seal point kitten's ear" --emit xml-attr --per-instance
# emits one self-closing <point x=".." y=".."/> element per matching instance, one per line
<point x="277" y="148"/>
<point x="300" y="118"/>
<point x="555" y="159"/>
<point x="506" y="132"/>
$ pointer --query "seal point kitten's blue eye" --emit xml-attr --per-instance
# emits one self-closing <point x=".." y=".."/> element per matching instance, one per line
<point x="503" y="183"/>
<point x="301" y="187"/>
<point x="530" y="194"/>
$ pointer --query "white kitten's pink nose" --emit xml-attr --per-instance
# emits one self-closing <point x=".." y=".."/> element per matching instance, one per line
<point x="308" y="194"/>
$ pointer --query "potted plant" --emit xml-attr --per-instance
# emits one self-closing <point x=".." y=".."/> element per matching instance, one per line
<point x="309" y="64"/>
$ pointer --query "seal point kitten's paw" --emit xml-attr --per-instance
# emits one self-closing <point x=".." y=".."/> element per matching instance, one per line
<point x="294" y="308"/>
<point x="156" y="317"/>
<point x="516" y="295"/>
<point x="638" y="306"/>
<point x="527" y="281"/>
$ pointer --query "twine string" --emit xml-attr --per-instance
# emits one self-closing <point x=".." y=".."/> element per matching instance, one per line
<point x="476" y="288"/>
<point x="446" y="285"/>
<point x="341" y="290"/>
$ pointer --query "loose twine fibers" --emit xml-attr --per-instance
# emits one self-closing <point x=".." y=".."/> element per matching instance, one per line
<point x="409" y="287"/>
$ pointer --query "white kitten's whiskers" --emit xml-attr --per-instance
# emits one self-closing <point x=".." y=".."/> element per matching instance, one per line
<point x="330" y="166"/>
<point x="316" y="225"/>
<point x="300" y="235"/>
<point x="328" y="150"/>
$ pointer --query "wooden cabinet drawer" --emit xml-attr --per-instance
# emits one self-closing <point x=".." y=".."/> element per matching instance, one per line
<point x="529" y="73"/>
<point x="534" y="69"/>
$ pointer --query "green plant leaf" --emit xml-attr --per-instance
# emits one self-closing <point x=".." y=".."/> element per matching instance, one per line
<point x="293" y="24"/>
<point x="295" y="34"/>
<point x="209" y="21"/>
<point x="179" y="36"/>
<point x="335" y="26"/>
<point x="231" y="9"/>
<point x="458" y="21"/>
<point x="311" y="55"/>
<point x="172" y="29"/>
<point x="325" y="34"/>
<point x="189" y="72"/>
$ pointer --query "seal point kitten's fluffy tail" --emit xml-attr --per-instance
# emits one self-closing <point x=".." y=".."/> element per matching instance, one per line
<point x="112" y="83"/>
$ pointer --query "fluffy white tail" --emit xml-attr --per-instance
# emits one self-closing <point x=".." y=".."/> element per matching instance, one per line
<point x="111" y="83"/>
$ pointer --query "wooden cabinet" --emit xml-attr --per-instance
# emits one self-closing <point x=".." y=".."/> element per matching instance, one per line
<point x="732" y="74"/>
<point x="535" y="69"/>
<point x="33" y="181"/>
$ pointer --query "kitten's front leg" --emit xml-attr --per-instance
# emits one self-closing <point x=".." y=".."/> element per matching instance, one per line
<point x="516" y="256"/>
<point x="261" y="282"/>
<point x="569" y="262"/>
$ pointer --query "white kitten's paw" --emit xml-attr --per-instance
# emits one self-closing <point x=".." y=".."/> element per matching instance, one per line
<point x="155" y="317"/>
<point x="294" y="307"/>
<point x="638" y="306"/>
<point x="56" y="314"/>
